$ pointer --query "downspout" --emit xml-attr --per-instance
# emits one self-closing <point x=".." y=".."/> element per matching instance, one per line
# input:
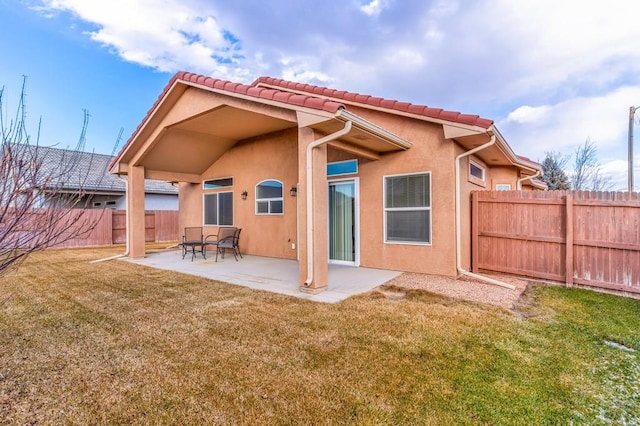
<point x="314" y="144"/>
<point x="461" y="270"/>
<point x="519" y="181"/>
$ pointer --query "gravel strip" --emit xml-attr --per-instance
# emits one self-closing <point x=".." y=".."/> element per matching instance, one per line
<point x="464" y="288"/>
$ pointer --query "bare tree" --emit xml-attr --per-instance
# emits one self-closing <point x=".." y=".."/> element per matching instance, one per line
<point x="553" y="167"/>
<point x="587" y="173"/>
<point x="41" y="196"/>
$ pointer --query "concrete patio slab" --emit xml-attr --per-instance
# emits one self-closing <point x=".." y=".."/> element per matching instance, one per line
<point x="270" y="274"/>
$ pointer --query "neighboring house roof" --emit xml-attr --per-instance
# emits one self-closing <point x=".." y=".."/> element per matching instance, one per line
<point x="342" y="95"/>
<point x="72" y="170"/>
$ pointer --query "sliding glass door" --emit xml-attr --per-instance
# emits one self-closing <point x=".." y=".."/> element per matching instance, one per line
<point x="342" y="222"/>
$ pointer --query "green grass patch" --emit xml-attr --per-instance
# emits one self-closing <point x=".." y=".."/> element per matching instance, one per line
<point x="115" y="342"/>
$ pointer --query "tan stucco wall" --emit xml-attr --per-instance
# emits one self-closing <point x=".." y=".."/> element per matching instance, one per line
<point x="249" y="162"/>
<point x="189" y="204"/>
<point x="430" y="153"/>
<point x="502" y="175"/>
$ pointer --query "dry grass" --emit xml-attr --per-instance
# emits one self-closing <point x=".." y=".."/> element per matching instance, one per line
<point x="115" y="342"/>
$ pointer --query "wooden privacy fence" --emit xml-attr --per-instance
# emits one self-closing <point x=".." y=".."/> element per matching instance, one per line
<point x="111" y="228"/>
<point x="578" y="237"/>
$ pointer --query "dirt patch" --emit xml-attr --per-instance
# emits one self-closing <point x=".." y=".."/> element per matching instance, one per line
<point x="465" y="288"/>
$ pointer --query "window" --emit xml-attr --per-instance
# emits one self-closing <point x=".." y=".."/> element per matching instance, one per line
<point x="110" y="203"/>
<point x="503" y="187"/>
<point x="269" y="197"/>
<point x="218" y="209"/>
<point x="97" y="204"/>
<point x="476" y="170"/>
<point x="407" y="208"/>
<point x="217" y="183"/>
<point x="342" y="168"/>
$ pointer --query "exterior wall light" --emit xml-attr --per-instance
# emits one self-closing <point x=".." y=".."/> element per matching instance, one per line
<point x="293" y="191"/>
<point x="244" y="195"/>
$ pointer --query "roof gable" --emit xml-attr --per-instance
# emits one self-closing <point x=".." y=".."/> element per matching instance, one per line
<point x="233" y="89"/>
<point x="376" y="102"/>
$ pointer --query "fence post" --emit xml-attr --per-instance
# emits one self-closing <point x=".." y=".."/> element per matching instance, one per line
<point x="156" y="229"/>
<point x="568" y="267"/>
<point x="474" y="231"/>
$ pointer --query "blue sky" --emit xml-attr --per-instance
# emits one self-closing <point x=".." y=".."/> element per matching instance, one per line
<point x="550" y="74"/>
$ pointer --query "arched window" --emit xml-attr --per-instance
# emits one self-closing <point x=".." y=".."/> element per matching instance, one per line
<point x="269" y="197"/>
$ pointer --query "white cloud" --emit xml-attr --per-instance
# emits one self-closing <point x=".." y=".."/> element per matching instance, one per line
<point x="551" y="73"/>
<point x="169" y="35"/>
<point x="616" y="170"/>
<point x="564" y="126"/>
<point x="571" y="42"/>
<point x="372" y="8"/>
<point x="528" y="114"/>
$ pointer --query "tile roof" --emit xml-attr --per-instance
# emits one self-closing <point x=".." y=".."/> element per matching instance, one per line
<point x="437" y="113"/>
<point x="262" y="93"/>
<point x="86" y="170"/>
<point x="239" y="89"/>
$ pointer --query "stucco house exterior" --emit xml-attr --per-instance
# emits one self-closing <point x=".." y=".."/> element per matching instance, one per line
<point x="319" y="175"/>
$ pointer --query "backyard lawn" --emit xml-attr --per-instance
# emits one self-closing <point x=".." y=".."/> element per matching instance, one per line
<point x="115" y="342"/>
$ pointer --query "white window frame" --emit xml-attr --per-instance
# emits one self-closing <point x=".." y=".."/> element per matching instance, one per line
<point x="204" y="216"/>
<point x="475" y="179"/>
<point x="503" y="187"/>
<point x="356" y="220"/>
<point x="429" y="208"/>
<point x="269" y="200"/>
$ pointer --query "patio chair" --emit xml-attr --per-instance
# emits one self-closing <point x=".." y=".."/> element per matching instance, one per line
<point x="228" y="238"/>
<point x="192" y="241"/>
<point x="224" y="235"/>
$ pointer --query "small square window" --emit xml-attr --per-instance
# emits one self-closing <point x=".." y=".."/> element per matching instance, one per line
<point x="477" y="173"/>
<point x="476" y="170"/>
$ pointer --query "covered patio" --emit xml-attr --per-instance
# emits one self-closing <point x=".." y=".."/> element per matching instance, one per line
<point x="224" y="143"/>
<point x="270" y="274"/>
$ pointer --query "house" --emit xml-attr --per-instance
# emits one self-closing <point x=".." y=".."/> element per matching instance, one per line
<point x="319" y="175"/>
<point x="68" y="171"/>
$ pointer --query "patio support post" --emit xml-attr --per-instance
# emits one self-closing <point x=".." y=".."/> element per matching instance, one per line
<point x="135" y="211"/>
<point x="319" y="248"/>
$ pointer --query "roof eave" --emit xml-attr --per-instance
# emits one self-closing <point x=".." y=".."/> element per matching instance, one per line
<point x="512" y="156"/>
<point x="378" y="131"/>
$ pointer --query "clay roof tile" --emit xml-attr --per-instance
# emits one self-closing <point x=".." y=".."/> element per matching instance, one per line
<point x="416" y="109"/>
<point x="387" y="103"/>
<point x="379" y="102"/>
<point x="449" y="115"/>
<point x="375" y="101"/>
<point x="401" y="106"/>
